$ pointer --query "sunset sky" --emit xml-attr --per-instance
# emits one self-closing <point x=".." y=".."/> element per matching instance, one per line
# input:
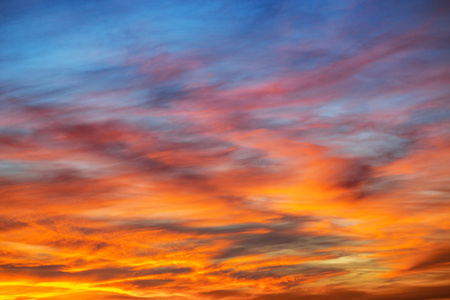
<point x="236" y="150"/>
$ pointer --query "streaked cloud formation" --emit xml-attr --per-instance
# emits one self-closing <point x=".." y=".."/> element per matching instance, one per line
<point x="224" y="150"/>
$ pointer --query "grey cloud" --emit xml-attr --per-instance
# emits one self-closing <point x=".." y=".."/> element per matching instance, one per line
<point x="276" y="272"/>
<point x="141" y="284"/>
<point x="278" y="240"/>
<point x="225" y="294"/>
<point x="437" y="260"/>
<point x="7" y="224"/>
<point x="59" y="272"/>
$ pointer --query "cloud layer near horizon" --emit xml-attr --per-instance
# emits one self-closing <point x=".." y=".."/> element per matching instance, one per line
<point x="224" y="150"/>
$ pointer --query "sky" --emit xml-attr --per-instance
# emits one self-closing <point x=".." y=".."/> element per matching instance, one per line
<point x="236" y="150"/>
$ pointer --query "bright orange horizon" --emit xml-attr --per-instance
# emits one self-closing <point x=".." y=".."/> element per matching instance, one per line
<point x="237" y="150"/>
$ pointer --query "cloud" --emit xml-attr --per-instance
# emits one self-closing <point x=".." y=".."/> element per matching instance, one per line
<point x="278" y="240"/>
<point x="224" y="294"/>
<point x="437" y="260"/>
<point x="224" y="150"/>
<point x="61" y="273"/>
<point x="7" y="224"/>
<point x="141" y="284"/>
<point x="404" y="293"/>
<point x="97" y="295"/>
<point x="300" y="272"/>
